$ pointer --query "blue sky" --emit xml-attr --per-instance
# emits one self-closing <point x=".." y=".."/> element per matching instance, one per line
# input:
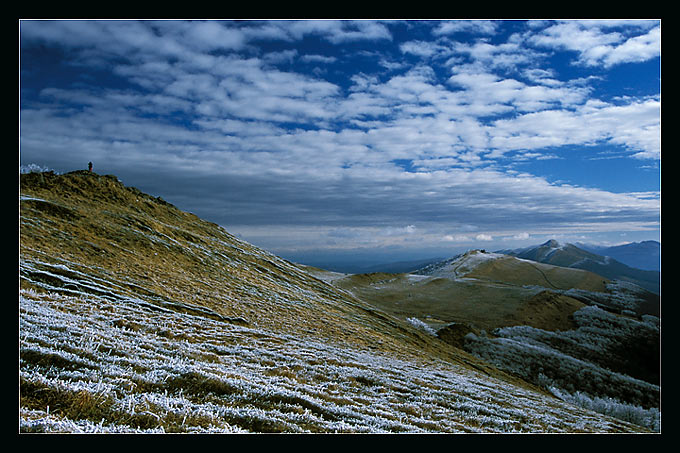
<point x="366" y="140"/>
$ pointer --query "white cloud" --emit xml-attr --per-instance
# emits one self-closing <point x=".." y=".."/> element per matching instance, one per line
<point x="542" y="77"/>
<point x="505" y="55"/>
<point x="574" y="36"/>
<point x="335" y="31"/>
<point x="473" y="26"/>
<point x="337" y="169"/>
<point x="205" y="35"/>
<point x="597" y="44"/>
<point x="422" y="48"/>
<point x="636" y="49"/>
<point x="495" y="94"/>
<point x="456" y="238"/>
<point x="284" y="56"/>
<point x="635" y="125"/>
<point x="318" y="59"/>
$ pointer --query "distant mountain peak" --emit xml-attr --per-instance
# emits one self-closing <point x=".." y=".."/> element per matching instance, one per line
<point x="552" y="243"/>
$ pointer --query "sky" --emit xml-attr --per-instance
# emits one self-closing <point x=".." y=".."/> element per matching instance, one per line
<point x="328" y="141"/>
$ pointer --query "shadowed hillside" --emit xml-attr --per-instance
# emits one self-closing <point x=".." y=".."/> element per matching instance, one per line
<point x="645" y="255"/>
<point x="138" y="317"/>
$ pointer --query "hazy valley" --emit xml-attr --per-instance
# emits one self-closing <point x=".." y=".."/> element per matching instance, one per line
<point x="135" y="316"/>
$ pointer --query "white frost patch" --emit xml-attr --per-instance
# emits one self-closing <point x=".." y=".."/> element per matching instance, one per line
<point x="475" y="259"/>
<point x="25" y="198"/>
<point x="460" y="265"/>
<point x="418" y="324"/>
<point x="471" y="261"/>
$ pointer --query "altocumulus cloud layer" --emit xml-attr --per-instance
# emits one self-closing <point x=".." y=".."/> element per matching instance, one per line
<point x="339" y="134"/>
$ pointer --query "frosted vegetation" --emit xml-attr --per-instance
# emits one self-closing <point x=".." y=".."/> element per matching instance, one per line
<point x="32" y="168"/>
<point x="421" y="325"/>
<point x="577" y="365"/>
<point x="621" y="297"/>
<point x="94" y="364"/>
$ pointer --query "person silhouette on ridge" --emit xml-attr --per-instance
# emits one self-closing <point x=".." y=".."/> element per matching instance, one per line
<point x="89" y="166"/>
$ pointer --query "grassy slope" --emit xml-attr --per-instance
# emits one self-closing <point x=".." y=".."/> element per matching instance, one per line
<point x="134" y="314"/>
<point x="494" y="292"/>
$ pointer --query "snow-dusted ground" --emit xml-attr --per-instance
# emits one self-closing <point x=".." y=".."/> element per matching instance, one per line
<point x="176" y="371"/>
<point x="458" y="266"/>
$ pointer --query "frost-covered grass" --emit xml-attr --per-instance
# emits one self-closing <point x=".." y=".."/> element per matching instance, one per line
<point x="650" y="418"/>
<point x="462" y="264"/>
<point x="418" y="324"/>
<point x="90" y="364"/>
<point x="588" y="366"/>
<point x="32" y="168"/>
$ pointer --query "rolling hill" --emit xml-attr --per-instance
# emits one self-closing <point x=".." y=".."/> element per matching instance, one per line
<point x="135" y="316"/>
<point x="481" y="289"/>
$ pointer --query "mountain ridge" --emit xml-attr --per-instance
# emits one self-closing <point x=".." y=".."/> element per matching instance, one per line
<point x="570" y="255"/>
<point x="644" y="255"/>
<point x="106" y="243"/>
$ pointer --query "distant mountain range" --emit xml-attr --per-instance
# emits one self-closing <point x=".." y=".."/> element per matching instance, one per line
<point x="570" y="255"/>
<point x="644" y="255"/>
<point x="358" y="266"/>
<point x="398" y="267"/>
